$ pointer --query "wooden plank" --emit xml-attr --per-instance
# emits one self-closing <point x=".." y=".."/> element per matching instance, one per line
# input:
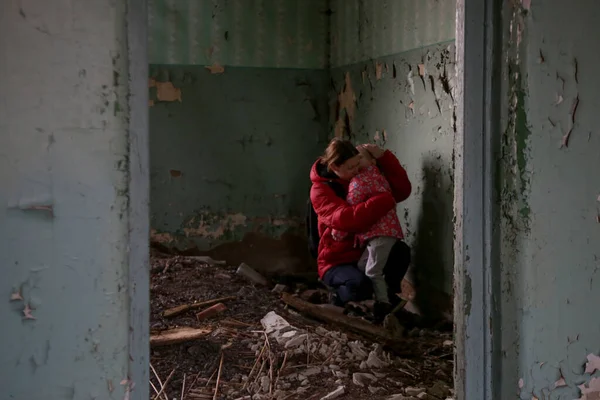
<point x="178" y="335"/>
<point x="338" y="320"/>
<point x="172" y="312"/>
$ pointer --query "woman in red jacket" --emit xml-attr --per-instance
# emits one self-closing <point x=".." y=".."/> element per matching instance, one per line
<point x="337" y="259"/>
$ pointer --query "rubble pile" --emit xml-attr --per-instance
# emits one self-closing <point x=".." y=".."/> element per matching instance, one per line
<point x="247" y="345"/>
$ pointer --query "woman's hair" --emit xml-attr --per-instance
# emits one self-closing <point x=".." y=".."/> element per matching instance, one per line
<point x="338" y="152"/>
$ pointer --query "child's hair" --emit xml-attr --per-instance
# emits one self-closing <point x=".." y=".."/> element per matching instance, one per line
<point x="338" y="152"/>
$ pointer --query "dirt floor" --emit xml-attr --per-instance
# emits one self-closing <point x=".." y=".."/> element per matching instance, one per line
<point x="241" y="358"/>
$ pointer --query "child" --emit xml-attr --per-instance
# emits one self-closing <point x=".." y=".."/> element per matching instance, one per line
<point x="381" y="237"/>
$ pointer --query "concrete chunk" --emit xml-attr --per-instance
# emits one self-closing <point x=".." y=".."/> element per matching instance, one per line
<point x="250" y="274"/>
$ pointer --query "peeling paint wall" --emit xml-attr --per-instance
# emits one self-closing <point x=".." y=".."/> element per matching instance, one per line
<point x="73" y="248"/>
<point x="550" y="228"/>
<point x="396" y="91"/>
<point x="234" y="136"/>
<point x="246" y="33"/>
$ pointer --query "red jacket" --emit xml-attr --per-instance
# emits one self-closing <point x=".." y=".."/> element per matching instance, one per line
<point x="335" y="213"/>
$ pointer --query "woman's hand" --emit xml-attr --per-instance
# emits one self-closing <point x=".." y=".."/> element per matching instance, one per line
<point x="373" y="149"/>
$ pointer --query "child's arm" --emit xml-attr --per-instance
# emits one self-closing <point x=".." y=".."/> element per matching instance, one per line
<point x="353" y="198"/>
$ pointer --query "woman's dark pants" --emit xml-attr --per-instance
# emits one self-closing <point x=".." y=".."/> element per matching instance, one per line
<point x="351" y="284"/>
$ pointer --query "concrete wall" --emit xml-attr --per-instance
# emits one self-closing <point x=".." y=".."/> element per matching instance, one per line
<point x="550" y="205"/>
<point x="73" y="203"/>
<point x="231" y="153"/>
<point x="400" y="59"/>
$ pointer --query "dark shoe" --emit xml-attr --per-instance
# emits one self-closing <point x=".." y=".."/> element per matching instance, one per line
<point x="380" y="310"/>
<point x="335" y="300"/>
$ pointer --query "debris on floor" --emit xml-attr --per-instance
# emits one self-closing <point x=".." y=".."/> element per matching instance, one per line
<point x="221" y="334"/>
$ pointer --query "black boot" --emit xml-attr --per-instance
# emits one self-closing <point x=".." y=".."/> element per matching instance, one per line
<point x="380" y="310"/>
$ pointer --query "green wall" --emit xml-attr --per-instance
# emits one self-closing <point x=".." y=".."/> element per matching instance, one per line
<point x="247" y="33"/>
<point x="230" y="161"/>
<point x="366" y="29"/>
<point x="233" y="156"/>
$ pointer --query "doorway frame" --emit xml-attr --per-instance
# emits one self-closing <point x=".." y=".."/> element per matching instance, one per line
<point x="478" y="112"/>
<point x="477" y="96"/>
<point x="138" y="387"/>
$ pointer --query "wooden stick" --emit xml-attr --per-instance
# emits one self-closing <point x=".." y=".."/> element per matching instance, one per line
<point x="331" y="352"/>
<point x="262" y="366"/>
<point x="307" y="350"/>
<point x="206" y="259"/>
<point x="210" y="311"/>
<point x="172" y="312"/>
<point x="194" y="381"/>
<point x="154" y="387"/>
<point x="235" y="322"/>
<point x="271" y="356"/>
<point x="178" y="335"/>
<point x="255" y="364"/>
<point x="285" y="356"/>
<point x="210" y="379"/>
<point x="218" y="377"/>
<point x="165" y="386"/>
<point x="183" y="388"/>
<point x="157" y="378"/>
<point x="355" y="325"/>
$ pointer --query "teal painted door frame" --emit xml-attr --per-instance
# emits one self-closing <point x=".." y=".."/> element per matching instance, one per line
<point x="478" y="50"/>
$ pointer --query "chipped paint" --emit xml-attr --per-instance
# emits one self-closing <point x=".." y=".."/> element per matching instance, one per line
<point x="515" y="146"/>
<point x="219" y="227"/>
<point x="215" y="69"/>
<point x="211" y="226"/>
<point x="378" y="70"/>
<point x="165" y="91"/>
<point x="549" y="254"/>
<point x="161" y="237"/>
<point x="346" y="108"/>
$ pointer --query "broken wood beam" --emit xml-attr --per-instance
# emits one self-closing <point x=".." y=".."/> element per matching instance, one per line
<point x="211" y="311"/>
<point x="325" y="314"/>
<point x="206" y="259"/>
<point x="172" y="312"/>
<point x="178" y="335"/>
